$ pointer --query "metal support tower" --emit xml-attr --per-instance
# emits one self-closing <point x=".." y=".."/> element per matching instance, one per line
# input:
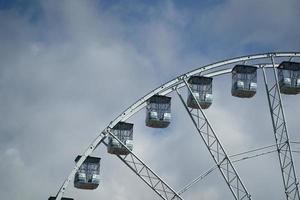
<point x="146" y="174"/>
<point x="216" y="149"/>
<point x="281" y="136"/>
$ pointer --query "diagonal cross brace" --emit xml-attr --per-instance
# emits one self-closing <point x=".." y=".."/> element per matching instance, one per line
<point x="216" y="149"/>
<point x="146" y="174"/>
<point x="289" y="176"/>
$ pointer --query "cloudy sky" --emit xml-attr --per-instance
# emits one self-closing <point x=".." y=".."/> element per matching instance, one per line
<point x="67" y="68"/>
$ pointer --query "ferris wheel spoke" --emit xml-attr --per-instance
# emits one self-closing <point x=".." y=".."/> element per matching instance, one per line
<point x="265" y="151"/>
<point x="280" y="130"/>
<point x="216" y="150"/>
<point x="146" y="174"/>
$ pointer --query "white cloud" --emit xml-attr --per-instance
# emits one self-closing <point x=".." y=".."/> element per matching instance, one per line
<point x="66" y="77"/>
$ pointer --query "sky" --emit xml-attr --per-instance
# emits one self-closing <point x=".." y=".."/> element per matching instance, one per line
<point x="68" y="68"/>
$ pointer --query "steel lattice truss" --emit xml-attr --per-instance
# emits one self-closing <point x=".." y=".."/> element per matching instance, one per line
<point x="281" y="137"/>
<point x="146" y="174"/>
<point x="216" y="149"/>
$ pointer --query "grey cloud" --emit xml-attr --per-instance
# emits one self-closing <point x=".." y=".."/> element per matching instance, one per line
<point x="240" y="26"/>
<point x="57" y="93"/>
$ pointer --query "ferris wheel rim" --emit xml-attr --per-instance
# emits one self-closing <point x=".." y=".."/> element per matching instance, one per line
<point x="131" y="110"/>
<point x="165" y="89"/>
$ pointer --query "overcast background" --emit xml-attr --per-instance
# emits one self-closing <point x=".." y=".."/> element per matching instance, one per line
<point x="67" y="68"/>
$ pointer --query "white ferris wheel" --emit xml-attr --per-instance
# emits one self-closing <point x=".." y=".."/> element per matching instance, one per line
<point x="281" y="74"/>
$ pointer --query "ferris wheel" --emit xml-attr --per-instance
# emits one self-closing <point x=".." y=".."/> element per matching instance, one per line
<point x="281" y="73"/>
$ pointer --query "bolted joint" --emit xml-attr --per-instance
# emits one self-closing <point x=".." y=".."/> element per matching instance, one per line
<point x="106" y="131"/>
<point x="271" y="55"/>
<point x="182" y="77"/>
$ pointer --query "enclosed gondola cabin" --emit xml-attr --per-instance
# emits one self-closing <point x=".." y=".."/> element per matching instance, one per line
<point x="63" y="198"/>
<point x="124" y="132"/>
<point x="158" y="111"/>
<point x="202" y="90"/>
<point x="289" y="77"/>
<point x="88" y="175"/>
<point x="244" y="81"/>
